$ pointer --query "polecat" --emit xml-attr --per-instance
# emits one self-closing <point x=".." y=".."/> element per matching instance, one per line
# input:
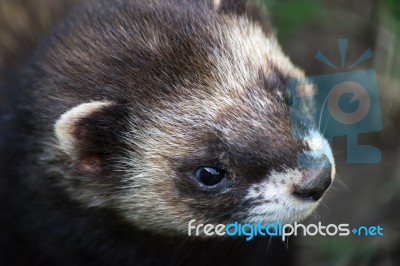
<point x="135" y="117"/>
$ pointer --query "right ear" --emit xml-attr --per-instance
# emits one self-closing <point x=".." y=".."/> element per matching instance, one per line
<point x="90" y="133"/>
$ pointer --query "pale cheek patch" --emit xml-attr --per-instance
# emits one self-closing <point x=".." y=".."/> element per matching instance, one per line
<point x="275" y="202"/>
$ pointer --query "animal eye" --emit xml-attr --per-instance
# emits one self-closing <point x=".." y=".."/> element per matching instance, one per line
<point x="209" y="176"/>
<point x="289" y="96"/>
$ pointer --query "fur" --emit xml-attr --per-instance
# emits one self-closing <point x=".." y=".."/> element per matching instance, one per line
<point x="121" y="103"/>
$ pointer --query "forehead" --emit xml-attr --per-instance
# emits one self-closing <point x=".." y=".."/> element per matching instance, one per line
<point x="216" y="77"/>
<point x="176" y="54"/>
<point x="208" y="50"/>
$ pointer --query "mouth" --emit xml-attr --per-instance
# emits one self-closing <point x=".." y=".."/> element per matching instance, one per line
<point x="298" y="211"/>
<point x="292" y="200"/>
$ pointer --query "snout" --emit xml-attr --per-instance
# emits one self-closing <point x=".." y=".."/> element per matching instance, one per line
<point x="315" y="181"/>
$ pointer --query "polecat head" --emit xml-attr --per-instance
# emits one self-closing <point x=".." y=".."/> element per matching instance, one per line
<point x="178" y="112"/>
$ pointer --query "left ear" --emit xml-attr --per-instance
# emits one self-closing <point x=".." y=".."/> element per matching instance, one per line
<point x="231" y="6"/>
<point x="248" y="8"/>
<point x="216" y="4"/>
<point x="90" y="135"/>
<point x="238" y="7"/>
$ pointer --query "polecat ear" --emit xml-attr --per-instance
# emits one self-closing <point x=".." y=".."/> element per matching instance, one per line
<point x="238" y="7"/>
<point x="89" y="133"/>
<point x="248" y="8"/>
<point x="216" y="4"/>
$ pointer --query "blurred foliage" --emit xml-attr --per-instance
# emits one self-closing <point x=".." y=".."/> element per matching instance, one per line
<point x="351" y="251"/>
<point x="290" y="15"/>
<point x="394" y="7"/>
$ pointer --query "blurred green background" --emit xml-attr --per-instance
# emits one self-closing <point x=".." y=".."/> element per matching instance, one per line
<point x="290" y="15"/>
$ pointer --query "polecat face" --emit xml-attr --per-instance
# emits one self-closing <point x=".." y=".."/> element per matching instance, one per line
<point x="179" y="114"/>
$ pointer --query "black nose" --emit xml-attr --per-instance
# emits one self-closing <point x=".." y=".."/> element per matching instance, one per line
<point x="314" y="183"/>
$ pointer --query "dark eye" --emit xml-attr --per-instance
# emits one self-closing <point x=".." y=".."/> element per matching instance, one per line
<point x="209" y="176"/>
<point x="289" y="96"/>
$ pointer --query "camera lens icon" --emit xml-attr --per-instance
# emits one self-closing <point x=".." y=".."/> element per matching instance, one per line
<point x="339" y="104"/>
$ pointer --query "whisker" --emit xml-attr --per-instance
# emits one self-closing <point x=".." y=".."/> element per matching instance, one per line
<point x="325" y="206"/>
<point x="268" y="246"/>
<point x="326" y="124"/>
<point x="339" y="152"/>
<point x="338" y="180"/>
<point x="320" y="115"/>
